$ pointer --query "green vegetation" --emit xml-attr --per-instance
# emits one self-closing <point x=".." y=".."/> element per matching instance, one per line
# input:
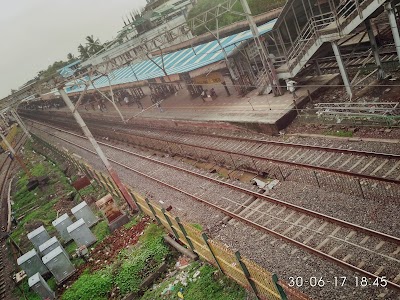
<point x="142" y="261"/>
<point x="131" y="268"/>
<point x="256" y="6"/>
<point x="340" y="133"/>
<point x="101" y="230"/>
<point x="197" y="226"/>
<point x="94" y="286"/>
<point x="208" y="284"/>
<point x="36" y="205"/>
<point x="28" y="293"/>
<point x="133" y="221"/>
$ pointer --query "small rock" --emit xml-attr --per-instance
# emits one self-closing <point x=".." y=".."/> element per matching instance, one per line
<point x="388" y="130"/>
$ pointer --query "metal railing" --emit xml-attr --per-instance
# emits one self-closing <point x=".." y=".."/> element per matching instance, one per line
<point x="342" y="15"/>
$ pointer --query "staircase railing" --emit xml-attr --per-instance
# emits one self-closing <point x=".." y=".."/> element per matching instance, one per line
<point x="344" y="13"/>
<point x="309" y="34"/>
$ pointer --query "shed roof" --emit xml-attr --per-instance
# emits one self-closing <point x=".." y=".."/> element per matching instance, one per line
<point x="181" y="61"/>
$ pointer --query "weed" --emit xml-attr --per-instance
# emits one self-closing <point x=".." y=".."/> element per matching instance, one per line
<point x="101" y="230"/>
<point x="94" y="286"/>
<point x="197" y="226"/>
<point x="340" y="133"/>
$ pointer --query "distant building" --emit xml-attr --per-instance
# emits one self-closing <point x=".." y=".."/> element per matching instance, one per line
<point x="161" y="18"/>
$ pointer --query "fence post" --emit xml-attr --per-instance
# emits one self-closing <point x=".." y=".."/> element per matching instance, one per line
<point x="185" y="233"/>
<point x="153" y="212"/>
<point x="278" y="287"/>
<point x="246" y="274"/>
<point x="99" y="181"/>
<point x="170" y="224"/>
<point x="136" y="202"/>
<point x="205" y="238"/>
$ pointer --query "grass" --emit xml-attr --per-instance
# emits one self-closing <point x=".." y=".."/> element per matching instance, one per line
<point x="127" y="273"/>
<point x="197" y="226"/>
<point x="208" y="285"/>
<point x="101" y="230"/>
<point x="340" y="133"/>
<point x="133" y="222"/>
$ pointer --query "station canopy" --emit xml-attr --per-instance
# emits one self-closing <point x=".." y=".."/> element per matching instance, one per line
<point x="181" y="61"/>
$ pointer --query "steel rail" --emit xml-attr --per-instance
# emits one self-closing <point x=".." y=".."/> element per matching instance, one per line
<point x="343" y="223"/>
<point x="279" y="161"/>
<point x="263" y="141"/>
<point x="233" y="215"/>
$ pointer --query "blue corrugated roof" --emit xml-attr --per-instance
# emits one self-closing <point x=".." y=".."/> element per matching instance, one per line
<point x="177" y="62"/>
<point x="67" y="71"/>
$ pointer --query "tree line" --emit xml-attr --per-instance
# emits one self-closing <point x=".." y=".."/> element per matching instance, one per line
<point x="91" y="47"/>
<point x="256" y="6"/>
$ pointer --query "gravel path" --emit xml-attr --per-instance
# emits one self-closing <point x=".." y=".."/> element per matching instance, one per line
<point x="242" y="237"/>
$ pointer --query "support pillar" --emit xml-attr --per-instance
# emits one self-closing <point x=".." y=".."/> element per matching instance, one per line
<point x="263" y="51"/>
<point x="374" y="48"/>
<point x="99" y="152"/>
<point x="342" y="69"/>
<point x="393" y="25"/>
<point x="317" y="68"/>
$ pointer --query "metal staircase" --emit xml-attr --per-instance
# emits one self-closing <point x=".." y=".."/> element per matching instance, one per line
<point x="344" y="18"/>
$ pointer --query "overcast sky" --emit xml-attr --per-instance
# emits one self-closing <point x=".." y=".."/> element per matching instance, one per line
<point x="35" y="33"/>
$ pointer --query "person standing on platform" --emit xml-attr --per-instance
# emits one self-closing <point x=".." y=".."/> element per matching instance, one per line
<point x="213" y="94"/>
<point x="139" y="104"/>
<point x="291" y="87"/>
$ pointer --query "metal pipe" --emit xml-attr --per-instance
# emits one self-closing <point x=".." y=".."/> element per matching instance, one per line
<point x="265" y="59"/>
<point x="98" y="150"/>
<point x="374" y="48"/>
<point x="342" y="69"/>
<point x="393" y="25"/>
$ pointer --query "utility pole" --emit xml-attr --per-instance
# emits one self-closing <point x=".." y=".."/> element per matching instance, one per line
<point x="100" y="153"/>
<point x="20" y="123"/>
<point x="16" y="155"/>
<point x="266" y="61"/>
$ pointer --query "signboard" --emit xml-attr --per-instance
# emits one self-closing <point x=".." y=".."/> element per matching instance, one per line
<point x="214" y="77"/>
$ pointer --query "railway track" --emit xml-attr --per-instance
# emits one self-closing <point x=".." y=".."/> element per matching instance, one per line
<point x="365" y="251"/>
<point x="369" y="175"/>
<point x="5" y="168"/>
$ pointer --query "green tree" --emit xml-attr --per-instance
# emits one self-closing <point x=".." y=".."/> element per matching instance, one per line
<point x="93" y="45"/>
<point x="83" y="52"/>
<point x="256" y="6"/>
<point x="70" y="57"/>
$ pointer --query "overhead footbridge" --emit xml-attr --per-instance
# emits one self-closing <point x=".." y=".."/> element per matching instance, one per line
<point x="304" y="26"/>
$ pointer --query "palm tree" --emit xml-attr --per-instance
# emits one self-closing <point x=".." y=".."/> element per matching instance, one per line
<point x="70" y="56"/>
<point x="83" y="52"/>
<point x="93" y="45"/>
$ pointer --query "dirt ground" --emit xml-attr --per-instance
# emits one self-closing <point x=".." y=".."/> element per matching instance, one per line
<point x="389" y="91"/>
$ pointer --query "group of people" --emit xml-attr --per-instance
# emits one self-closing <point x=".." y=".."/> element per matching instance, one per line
<point x="124" y="97"/>
<point x="213" y="95"/>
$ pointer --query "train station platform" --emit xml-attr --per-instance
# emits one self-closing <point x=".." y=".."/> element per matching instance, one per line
<point x="265" y="113"/>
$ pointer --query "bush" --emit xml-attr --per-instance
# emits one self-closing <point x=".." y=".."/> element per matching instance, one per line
<point x="142" y="261"/>
<point x="94" y="286"/>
